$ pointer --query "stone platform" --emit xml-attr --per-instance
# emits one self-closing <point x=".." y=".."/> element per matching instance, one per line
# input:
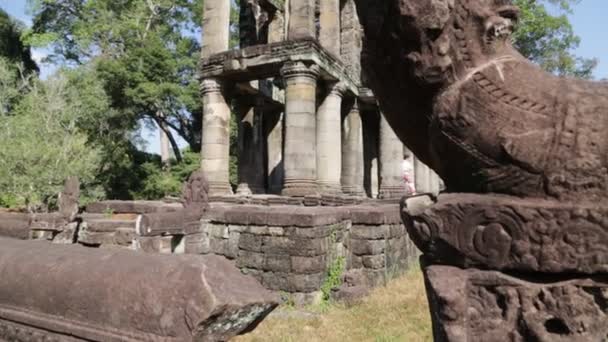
<point x="288" y="248"/>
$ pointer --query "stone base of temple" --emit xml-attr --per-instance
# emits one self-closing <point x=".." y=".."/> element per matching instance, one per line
<point x="300" y="188"/>
<point x="219" y="189"/>
<point x="500" y="268"/>
<point x="391" y="192"/>
<point x="288" y="244"/>
<point x="477" y="305"/>
<point x="329" y="188"/>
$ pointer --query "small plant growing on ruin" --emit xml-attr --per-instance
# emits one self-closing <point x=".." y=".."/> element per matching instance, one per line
<point x="334" y="277"/>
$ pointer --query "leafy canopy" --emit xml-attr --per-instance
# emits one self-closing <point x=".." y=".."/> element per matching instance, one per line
<point x="549" y="40"/>
<point x="47" y="143"/>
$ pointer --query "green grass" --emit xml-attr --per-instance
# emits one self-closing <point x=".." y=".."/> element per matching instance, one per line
<point x="397" y="312"/>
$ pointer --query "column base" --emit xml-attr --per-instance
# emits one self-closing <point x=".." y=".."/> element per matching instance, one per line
<point x="329" y="188"/>
<point x="219" y="189"/>
<point x="300" y="188"/>
<point x="245" y="189"/>
<point x="353" y="191"/>
<point x="392" y="192"/>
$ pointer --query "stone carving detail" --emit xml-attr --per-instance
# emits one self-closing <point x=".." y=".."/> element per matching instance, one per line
<point x="468" y="105"/>
<point x="504" y="233"/>
<point x="196" y="190"/>
<point x="475" y="305"/>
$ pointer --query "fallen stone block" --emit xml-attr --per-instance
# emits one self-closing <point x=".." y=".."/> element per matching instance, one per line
<point x="15" y="225"/>
<point x="72" y="293"/>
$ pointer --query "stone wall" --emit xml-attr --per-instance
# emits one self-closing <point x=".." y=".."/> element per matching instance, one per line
<point x="288" y="248"/>
<point x="291" y="248"/>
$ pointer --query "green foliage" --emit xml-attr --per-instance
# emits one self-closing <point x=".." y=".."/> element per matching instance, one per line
<point x="145" y="51"/>
<point x="47" y="143"/>
<point x="11" y="45"/>
<point x="159" y="183"/>
<point x="549" y="40"/>
<point x="333" y="278"/>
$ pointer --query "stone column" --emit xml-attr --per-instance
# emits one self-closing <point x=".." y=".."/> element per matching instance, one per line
<point x="391" y="162"/>
<point x="301" y="19"/>
<point x="329" y="32"/>
<point x="300" y="163"/>
<point x="251" y="150"/>
<point x="329" y="143"/>
<point x="352" y="153"/>
<point x="425" y="178"/>
<point x="215" y="142"/>
<point x="216" y="27"/>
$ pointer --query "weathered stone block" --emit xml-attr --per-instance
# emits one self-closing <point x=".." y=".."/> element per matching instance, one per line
<point x="277" y="281"/>
<point x="367" y="232"/>
<point x="397" y="230"/>
<point x="124" y="236"/>
<point x="294" y="246"/>
<point x="232" y="247"/>
<point x="250" y="242"/>
<point x="366" y="247"/>
<point x="374" y="261"/>
<point x="218" y="246"/>
<point x="276" y="231"/>
<point x="218" y="231"/>
<point x="492" y="306"/>
<point x="157" y="244"/>
<point x="247" y="259"/>
<point x="277" y="263"/>
<point x="235" y="228"/>
<point x="68" y="235"/>
<point x="197" y="244"/>
<point x="305" y="282"/>
<point x="354" y="261"/>
<point x="258" y="230"/>
<point x="105" y="295"/>
<point x="308" y="265"/>
<point x="311" y="232"/>
<point x="507" y="234"/>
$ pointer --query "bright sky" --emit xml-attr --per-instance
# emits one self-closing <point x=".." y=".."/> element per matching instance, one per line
<point x="587" y="20"/>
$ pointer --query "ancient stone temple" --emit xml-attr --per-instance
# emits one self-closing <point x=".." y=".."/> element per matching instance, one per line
<point x="307" y="123"/>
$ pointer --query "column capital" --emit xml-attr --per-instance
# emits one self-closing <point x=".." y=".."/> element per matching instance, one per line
<point x="299" y="69"/>
<point x="211" y="85"/>
<point x="337" y="88"/>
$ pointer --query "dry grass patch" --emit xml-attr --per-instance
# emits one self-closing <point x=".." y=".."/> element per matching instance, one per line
<point x="397" y="312"/>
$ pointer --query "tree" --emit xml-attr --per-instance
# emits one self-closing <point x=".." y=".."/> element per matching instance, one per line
<point x="145" y="50"/>
<point x="549" y="40"/>
<point x="46" y="141"/>
<point x="11" y="45"/>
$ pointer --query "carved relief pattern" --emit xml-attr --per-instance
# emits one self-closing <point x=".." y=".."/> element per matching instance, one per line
<point x="506" y="235"/>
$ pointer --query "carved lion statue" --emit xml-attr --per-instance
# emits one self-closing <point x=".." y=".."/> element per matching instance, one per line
<point x="468" y="104"/>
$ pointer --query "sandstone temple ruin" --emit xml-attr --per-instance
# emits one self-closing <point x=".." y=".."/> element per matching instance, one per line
<point x="307" y="123"/>
<point x="320" y="174"/>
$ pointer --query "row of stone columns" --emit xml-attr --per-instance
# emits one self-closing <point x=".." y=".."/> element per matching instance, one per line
<point x="318" y="152"/>
<point x="321" y="153"/>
